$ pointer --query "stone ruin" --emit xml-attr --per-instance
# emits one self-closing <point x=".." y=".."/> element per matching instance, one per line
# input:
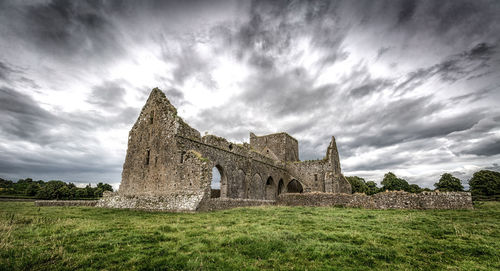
<point x="169" y="167"/>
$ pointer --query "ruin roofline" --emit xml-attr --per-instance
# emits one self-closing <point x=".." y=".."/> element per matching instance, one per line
<point x="201" y="139"/>
<point x="277" y="133"/>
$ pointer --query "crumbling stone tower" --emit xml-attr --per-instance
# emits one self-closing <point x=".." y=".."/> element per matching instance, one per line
<point x="169" y="165"/>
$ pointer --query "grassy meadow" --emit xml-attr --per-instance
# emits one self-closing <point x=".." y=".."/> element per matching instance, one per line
<point x="299" y="238"/>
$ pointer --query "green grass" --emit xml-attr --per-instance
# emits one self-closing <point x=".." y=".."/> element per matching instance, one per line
<point x="67" y="238"/>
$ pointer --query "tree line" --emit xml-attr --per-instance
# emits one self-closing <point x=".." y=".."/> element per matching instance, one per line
<point x="50" y="190"/>
<point x="483" y="185"/>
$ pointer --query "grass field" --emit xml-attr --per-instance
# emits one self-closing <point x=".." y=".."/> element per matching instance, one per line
<point x="67" y="238"/>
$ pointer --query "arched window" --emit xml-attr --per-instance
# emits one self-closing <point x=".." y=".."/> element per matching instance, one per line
<point x="216" y="181"/>
<point x="280" y="186"/>
<point x="269" y="181"/>
<point x="294" y="186"/>
<point x="270" y="189"/>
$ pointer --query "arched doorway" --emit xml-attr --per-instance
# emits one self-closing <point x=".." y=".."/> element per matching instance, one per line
<point x="217" y="181"/>
<point x="281" y="186"/>
<point x="270" y="189"/>
<point x="294" y="186"/>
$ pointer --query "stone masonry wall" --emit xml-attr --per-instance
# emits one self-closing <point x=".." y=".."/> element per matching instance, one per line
<point x="281" y="145"/>
<point x="385" y="200"/>
<point x="244" y="174"/>
<point x="150" y="166"/>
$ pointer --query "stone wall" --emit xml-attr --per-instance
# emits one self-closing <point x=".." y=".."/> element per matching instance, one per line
<point x="280" y="145"/>
<point x="89" y="203"/>
<point x="175" y="202"/>
<point x="321" y="175"/>
<point x="385" y="200"/>
<point x="244" y="173"/>
<point x="150" y="166"/>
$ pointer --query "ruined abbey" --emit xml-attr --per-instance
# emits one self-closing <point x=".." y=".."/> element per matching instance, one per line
<point x="169" y="167"/>
<point x="167" y="158"/>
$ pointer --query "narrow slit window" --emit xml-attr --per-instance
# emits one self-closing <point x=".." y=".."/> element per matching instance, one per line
<point x="147" y="157"/>
<point x="151" y="117"/>
<point x="315" y="177"/>
<point x="182" y="157"/>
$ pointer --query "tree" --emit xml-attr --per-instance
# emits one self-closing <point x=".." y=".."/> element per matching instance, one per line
<point x="63" y="192"/>
<point x="449" y="183"/>
<point x="73" y="192"/>
<point x="98" y="192"/>
<point x="32" y="189"/>
<point x="371" y="188"/>
<point x="80" y="193"/>
<point x="105" y="187"/>
<point x="358" y="184"/>
<point x="89" y="191"/>
<point x="392" y="182"/>
<point x="51" y="190"/>
<point x="414" y="188"/>
<point x="485" y="184"/>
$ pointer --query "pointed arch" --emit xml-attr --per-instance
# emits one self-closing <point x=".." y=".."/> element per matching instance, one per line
<point x="294" y="186"/>
<point x="270" y="189"/>
<point x="281" y="186"/>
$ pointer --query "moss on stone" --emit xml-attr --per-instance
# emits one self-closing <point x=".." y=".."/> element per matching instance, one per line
<point x="199" y="156"/>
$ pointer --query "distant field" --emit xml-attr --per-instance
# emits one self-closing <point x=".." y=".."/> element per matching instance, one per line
<point x="67" y="238"/>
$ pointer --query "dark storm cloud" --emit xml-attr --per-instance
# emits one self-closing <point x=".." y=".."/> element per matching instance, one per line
<point x="474" y="96"/>
<point x="229" y="122"/>
<point x="72" y="28"/>
<point x="385" y="163"/>
<point x="287" y="93"/>
<point x="404" y="121"/>
<point x="108" y="95"/>
<point x="469" y="63"/>
<point x="382" y="51"/>
<point x="189" y="64"/>
<point x="22" y="117"/>
<point x="176" y="97"/>
<point x="408" y="8"/>
<point x="488" y="146"/>
<point x="370" y="86"/>
<point x="274" y="27"/>
<point x="5" y="70"/>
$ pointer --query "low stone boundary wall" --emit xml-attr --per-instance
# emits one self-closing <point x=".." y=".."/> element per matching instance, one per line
<point x="194" y="202"/>
<point x="221" y="204"/>
<point x="384" y="200"/>
<point x="187" y="202"/>
<point x="90" y="203"/>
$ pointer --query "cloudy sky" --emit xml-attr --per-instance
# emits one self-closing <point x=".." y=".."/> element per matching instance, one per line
<point x="411" y="87"/>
